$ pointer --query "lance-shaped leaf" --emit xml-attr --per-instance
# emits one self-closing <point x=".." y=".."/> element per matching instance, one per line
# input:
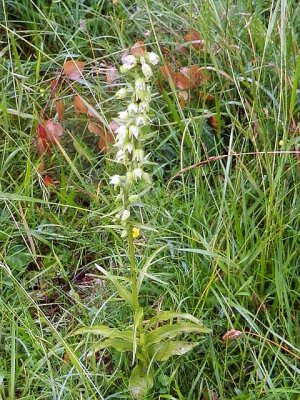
<point x="164" y="350"/>
<point x="148" y="263"/>
<point x="105" y="331"/>
<point x="140" y="382"/>
<point x="167" y="315"/>
<point x="116" y="343"/>
<point x="123" y="292"/>
<point x="171" y="331"/>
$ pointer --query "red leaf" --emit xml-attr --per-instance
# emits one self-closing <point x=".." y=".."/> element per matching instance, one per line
<point x="73" y="69"/>
<point x="168" y="72"/>
<point x="232" y="334"/>
<point x="106" y="141"/>
<point x="138" y="49"/>
<point x="54" y="131"/>
<point x="213" y="122"/>
<point x="111" y="74"/>
<point x="195" y="39"/>
<point x="59" y="105"/>
<point x="41" y="131"/>
<point x="95" y="128"/>
<point x="43" y="146"/>
<point x="194" y="73"/>
<point x="48" y="181"/>
<point x="79" y="106"/>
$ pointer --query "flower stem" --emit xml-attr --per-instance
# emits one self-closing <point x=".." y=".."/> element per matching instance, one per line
<point x="133" y="271"/>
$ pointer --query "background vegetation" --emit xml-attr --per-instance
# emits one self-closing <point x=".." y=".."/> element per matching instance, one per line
<point x="230" y="226"/>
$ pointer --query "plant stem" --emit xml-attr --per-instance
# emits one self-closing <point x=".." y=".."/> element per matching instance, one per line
<point x="133" y="271"/>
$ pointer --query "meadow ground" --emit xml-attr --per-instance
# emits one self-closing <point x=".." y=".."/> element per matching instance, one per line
<point x="226" y="231"/>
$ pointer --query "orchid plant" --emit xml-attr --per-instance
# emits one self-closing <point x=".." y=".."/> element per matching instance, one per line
<point x="151" y="340"/>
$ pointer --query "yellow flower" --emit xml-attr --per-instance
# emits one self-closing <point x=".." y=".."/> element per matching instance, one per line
<point x="135" y="232"/>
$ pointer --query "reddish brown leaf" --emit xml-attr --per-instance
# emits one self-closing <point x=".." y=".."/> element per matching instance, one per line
<point x="105" y="141"/>
<point x="79" y="106"/>
<point x="59" y="105"/>
<point x="41" y="131"/>
<point x="43" y="146"/>
<point x="54" y="131"/>
<point x="96" y="128"/>
<point x="182" y="82"/>
<point x="168" y="71"/>
<point x="213" y="122"/>
<point x="194" y="73"/>
<point x="73" y="69"/>
<point x="138" y="49"/>
<point x="54" y="84"/>
<point x="195" y="39"/>
<point x="232" y="335"/>
<point x="180" y="48"/>
<point x="48" y="180"/>
<point x="111" y="74"/>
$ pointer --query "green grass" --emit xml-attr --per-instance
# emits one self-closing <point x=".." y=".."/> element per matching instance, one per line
<point x="230" y="227"/>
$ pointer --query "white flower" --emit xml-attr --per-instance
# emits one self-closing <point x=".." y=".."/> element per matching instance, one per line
<point x="140" y="84"/>
<point x="147" y="71"/>
<point x="121" y="94"/>
<point x="138" y="155"/>
<point x="128" y="147"/>
<point x="125" y="215"/>
<point x="137" y="173"/>
<point x="153" y="58"/>
<point x="134" y="131"/>
<point x="121" y="130"/>
<point x="123" y="115"/>
<point x="140" y="120"/>
<point x="132" y="108"/>
<point x="144" y="106"/>
<point x="115" y="180"/>
<point x="120" y="155"/>
<point x="129" y="62"/>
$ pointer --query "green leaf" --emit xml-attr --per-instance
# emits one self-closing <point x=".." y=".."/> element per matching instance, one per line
<point x="106" y="331"/>
<point x="166" y="315"/>
<point x="116" y="343"/>
<point x="123" y="292"/>
<point x="164" y="350"/>
<point x="171" y="331"/>
<point x="140" y="382"/>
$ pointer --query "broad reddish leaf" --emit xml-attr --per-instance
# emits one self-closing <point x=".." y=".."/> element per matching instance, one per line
<point x="138" y="49"/>
<point x="232" y="334"/>
<point x="54" y="131"/>
<point x="79" y="106"/>
<point x="168" y="71"/>
<point x="48" y="180"/>
<point x="43" y="146"/>
<point x="54" y="84"/>
<point x="194" y="73"/>
<point x="213" y="122"/>
<point x="111" y="74"/>
<point x="106" y="141"/>
<point x="73" y="69"/>
<point x="95" y="128"/>
<point x="41" y="131"/>
<point x="182" y="82"/>
<point x="60" y="107"/>
<point x="180" y="48"/>
<point x="195" y="39"/>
